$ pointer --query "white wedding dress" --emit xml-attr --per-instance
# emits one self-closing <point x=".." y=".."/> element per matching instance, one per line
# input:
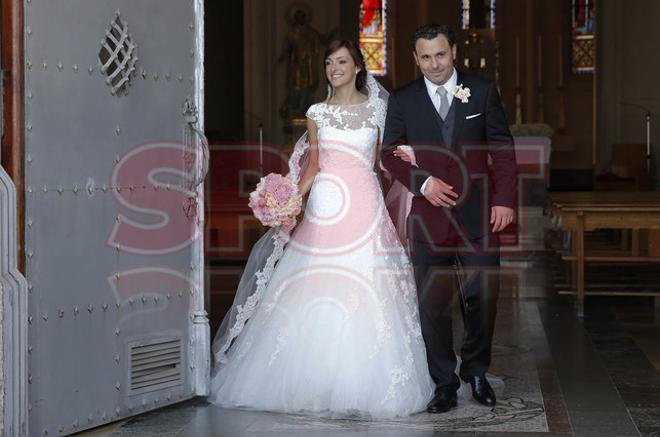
<point x="336" y="331"/>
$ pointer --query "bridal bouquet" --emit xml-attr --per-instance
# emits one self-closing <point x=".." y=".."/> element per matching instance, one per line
<point x="276" y="201"/>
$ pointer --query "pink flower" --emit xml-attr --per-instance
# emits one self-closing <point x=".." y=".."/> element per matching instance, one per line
<point x="282" y="193"/>
<point x="276" y="201"/>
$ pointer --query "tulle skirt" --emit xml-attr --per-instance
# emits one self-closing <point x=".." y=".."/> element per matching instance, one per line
<point x="337" y="330"/>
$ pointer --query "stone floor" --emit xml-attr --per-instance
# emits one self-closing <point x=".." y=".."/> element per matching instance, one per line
<point x="555" y="375"/>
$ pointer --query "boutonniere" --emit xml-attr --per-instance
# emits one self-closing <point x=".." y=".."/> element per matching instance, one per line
<point x="461" y="93"/>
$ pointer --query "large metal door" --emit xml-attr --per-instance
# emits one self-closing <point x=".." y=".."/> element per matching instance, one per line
<point x="113" y="210"/>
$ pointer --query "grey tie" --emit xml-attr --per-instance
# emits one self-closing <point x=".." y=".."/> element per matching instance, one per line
<point x="443" y="109"/>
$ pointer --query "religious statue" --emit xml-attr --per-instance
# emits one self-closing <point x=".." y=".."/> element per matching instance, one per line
<point x="301" y="52"/>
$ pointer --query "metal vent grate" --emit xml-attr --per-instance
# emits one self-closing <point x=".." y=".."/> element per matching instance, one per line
<point x="155" y="366"/>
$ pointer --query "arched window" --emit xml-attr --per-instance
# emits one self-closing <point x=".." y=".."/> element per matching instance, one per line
<point x="373" y="35"/>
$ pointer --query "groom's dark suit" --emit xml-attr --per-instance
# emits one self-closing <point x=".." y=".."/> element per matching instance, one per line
<point x="455" y="150"/>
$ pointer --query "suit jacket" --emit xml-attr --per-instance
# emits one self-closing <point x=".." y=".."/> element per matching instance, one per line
<point x="456" y="151"/>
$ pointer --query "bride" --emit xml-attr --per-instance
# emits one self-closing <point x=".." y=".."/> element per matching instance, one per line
<point x="325" y="321"/>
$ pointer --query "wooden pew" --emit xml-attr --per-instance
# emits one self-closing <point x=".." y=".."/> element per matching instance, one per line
<point x="580" y="212"/>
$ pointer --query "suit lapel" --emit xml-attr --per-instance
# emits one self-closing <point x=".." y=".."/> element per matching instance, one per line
<point x="461" y="111"/>
<point x="428" y="103"/>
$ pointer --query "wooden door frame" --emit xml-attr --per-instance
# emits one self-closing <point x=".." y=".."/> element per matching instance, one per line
<point x="13" y="117"/>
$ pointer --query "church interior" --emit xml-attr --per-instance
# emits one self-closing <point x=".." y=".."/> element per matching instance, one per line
<point x="579" y="306"/>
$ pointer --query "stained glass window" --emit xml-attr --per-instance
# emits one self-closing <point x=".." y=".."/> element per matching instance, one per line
<point x="373" y="35"/>
<point x="583" y="59"/>
<point x="478" y="14"/>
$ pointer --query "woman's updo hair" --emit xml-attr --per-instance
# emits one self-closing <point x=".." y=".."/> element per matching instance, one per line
<point x="356" y="54"/>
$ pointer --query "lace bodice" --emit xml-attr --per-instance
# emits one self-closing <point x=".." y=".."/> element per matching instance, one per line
<point x="348" y="134"/>
<point x="368" y="114"/>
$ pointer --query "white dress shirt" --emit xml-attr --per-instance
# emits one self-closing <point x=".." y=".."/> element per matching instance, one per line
<point x="431" y="88"/>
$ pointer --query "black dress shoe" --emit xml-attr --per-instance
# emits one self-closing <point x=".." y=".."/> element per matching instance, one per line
<point x="444" y="400"/>
<point x="482" y="392"/>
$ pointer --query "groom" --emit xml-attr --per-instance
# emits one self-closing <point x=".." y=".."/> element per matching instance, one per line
<point x="459" y="205"/>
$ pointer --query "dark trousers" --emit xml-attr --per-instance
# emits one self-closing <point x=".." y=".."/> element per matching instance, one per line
<point x="437" y="287"/>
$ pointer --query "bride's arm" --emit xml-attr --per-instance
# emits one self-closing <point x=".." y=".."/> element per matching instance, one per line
<point x="405" y="153"/>
<point x="308" y="176"/>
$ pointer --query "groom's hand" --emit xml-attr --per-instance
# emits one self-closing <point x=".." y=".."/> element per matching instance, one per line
<point x="439" y="193"/>
<point x="501" y="217"/>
